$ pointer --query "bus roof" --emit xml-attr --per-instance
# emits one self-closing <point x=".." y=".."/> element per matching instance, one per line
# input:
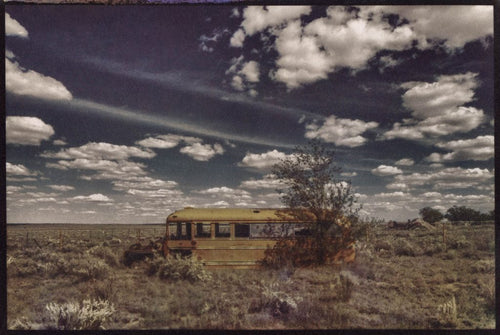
<point x="230" y="215"/>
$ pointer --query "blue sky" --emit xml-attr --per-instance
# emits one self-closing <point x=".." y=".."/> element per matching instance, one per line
<point x="125" y="114"/>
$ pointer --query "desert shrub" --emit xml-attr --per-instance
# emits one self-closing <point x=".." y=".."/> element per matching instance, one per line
<point x="451" y="277"/>
<point x="484" y="243"/>
<point x="183" y="268"/>
<point x="86" y="269"/>
<point x="487" y="292"/>
<point x="483" y="266"/>
<point x="363" y="270"/>
<point x="89" y="314"/>
<point x="104" y="290"/>
<point x="153" y="265"/>
<point x="345" y="285"/>
<point x="277" y="300"/>
<point x="446" y="315"/>
<point x="24" y="267"/>
<point x="89" y="267"/>
<point x="115" y="241"/>
<point x="403" y="247"/>
<point x="105" y="253"/>
<point x="458" y="242"/>
<point x="433" y="249"/>
<point x="379" y="245"/>
<point x="450" y="254"/>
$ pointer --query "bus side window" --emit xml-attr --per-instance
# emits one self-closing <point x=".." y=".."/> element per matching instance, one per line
<point x="302" y="230"/>
<point x="184" y="231"/>
<point x="202" y="230"/>
<point x="222" y="230"/>
<point x="241" y="230"/>
<point x="172" y="231"/>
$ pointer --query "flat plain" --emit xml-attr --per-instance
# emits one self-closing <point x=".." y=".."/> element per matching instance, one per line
<point x="73" y="278"/>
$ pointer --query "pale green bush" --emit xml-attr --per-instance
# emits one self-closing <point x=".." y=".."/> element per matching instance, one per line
<point x="87" y="269"/>
<point x="183" y="268"/>
<point x="83" y="268"/>
<point x="24" y="268"/>
<point x="279" y="301"/>
<point x="487" y="292"/>
<point x="447" y="313"/>
<point x="90" y="314"/>
<point x="403" y="247"/>
<point x="105" y="253"/>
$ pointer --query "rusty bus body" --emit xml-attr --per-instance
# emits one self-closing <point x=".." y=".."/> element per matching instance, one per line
<point x="229" y="237"/>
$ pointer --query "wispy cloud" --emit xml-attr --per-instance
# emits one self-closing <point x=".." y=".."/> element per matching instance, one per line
<point x="194" y="82"/>
<point x="168" y="122"/>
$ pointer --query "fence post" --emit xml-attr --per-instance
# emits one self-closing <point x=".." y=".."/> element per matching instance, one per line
<point x="444" y="235"/>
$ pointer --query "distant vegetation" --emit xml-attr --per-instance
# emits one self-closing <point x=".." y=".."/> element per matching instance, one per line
<point x="456" y="213"/>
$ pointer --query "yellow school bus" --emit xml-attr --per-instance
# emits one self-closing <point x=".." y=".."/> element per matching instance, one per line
<point x="229" y="237"/>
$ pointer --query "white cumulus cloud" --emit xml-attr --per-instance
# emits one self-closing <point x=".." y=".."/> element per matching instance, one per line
<point x="269" y="181"/>
<point x="62" y="188"/>
<point x="349" y="37"/>
<point x="384" y="170"/>
<point x="26" y="130"/>
<point x="100" y="151"/>
<point x="479" y="149"/>
<point x="437" y="108"/>
<point x="14" y="28"/>
<point x="342" y="132"/>
<point x="455" y="25"/>
<point x="244" y="74"/>
<point x="202" y="152"/>
<point x="263" y="161"/>
<point x="258" y="18"/>
<point x="97" y="197"/>
<point x="18" y="170"/>
<point x="405" y="162"/>
<point x="28" y="82"/>
<point x="448" y="178"/>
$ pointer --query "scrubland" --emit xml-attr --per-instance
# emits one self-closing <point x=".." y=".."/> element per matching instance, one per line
<point x="72" y="277"/>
